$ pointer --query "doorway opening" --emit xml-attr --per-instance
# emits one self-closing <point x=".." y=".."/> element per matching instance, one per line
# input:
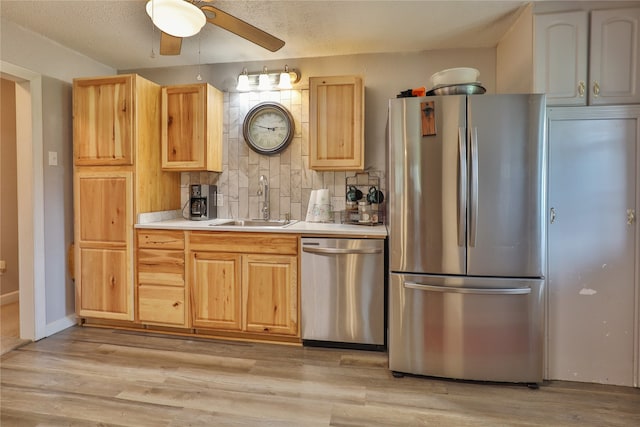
<point x="29" y="205"/>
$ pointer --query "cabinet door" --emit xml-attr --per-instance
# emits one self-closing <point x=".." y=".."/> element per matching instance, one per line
<point x="103" y="230"/>
<point x="336" y="123"/>
<point x="592" y="249"/>
<point x="192" y="128"/>
<point x="560" y="52"/>
<point x="271" y="293"/>
<point x="216" y="290"/>
<point x="615" y="52"/>
<point x="103" y="111"/>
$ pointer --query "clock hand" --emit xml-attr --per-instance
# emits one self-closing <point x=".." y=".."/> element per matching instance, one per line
<point x="268" y="128"/>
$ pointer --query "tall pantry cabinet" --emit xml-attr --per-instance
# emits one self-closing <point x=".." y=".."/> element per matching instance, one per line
<point x="117" y="175"/>
<point x="594" y="242"/>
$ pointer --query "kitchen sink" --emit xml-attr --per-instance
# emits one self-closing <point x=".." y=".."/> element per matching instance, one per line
<point x="254" y="223"/>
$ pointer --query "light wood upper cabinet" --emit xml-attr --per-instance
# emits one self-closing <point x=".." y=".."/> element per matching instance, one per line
<point x="576" y="58"/>
<point x="336" y="123"/>
<point x="103" y="117"/>
<point x="192" y="128"/>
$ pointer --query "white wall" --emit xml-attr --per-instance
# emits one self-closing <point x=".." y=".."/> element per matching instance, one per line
<point x="29" y="50"/>
<point x="58" y="196"/>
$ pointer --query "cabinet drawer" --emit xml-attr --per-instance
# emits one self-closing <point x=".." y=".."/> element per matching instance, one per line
<point x="263" y="243"/>
<point x="159" y="267"/>
<point x="161" y="239"/>
<point x="161" y="304"/>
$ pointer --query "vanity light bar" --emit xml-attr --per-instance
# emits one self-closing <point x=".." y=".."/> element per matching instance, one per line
<point x="268" y="79"/>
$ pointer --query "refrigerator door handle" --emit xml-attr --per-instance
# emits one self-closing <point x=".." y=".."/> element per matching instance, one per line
<point x="478" y="291"/>
<point x="473" y="199"/>
<point x="462" y="185"/>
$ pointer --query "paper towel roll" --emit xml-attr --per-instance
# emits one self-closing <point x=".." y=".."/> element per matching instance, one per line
<point x="322" y="212"/>
<point x="322" y="197"/>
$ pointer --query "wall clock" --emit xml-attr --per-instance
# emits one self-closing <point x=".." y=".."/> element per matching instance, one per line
<point x="268" y="128"/>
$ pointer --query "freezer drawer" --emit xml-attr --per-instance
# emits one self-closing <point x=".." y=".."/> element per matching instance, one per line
<point x="342" y="291"/>
<point x="466" y="328"/>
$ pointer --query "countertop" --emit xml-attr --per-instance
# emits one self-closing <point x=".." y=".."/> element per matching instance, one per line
<point x="296" y="227"/>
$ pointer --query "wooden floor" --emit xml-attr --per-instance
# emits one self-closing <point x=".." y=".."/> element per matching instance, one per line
<point x="91" y="376"/>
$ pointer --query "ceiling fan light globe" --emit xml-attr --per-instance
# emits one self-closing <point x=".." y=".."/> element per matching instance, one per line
<point x="176" y="17"/>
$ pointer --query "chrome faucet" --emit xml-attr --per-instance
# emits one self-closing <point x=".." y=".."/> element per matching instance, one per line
<point x="263" y="190"/>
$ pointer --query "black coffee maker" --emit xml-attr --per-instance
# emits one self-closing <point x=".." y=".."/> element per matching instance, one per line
<point x="202" y="202"/>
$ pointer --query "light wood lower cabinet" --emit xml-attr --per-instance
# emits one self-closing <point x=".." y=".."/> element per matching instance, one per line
<point x="162" y="295"/>
<point x="245" y="282"/>
<point x="269" y="284"/>
<point x="216" y="294"/>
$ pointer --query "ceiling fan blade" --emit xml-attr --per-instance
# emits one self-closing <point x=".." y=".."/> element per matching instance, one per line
<point x="170" y="45"/>
<point x="242" y="28"/>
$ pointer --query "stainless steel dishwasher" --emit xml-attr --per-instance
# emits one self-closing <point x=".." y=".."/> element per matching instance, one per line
<point x="343" y="292"/>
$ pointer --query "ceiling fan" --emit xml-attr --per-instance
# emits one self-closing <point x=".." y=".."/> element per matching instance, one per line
<point x="183" y="18"/>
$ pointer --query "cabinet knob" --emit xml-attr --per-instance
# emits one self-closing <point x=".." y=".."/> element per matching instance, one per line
<point x="631" y="216"/>
<point x="552" y="215"/>
<point x="581" y="89"/>
<point x="596" y="89"/>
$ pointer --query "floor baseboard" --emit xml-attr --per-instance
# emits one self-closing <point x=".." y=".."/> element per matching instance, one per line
<point x="9" y="297"/>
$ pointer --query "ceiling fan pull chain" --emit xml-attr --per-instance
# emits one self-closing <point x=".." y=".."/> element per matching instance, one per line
<point x="153" y="6"/>
<point x="199" y="76"/>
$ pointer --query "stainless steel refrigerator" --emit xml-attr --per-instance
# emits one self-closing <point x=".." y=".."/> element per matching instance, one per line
<point x="467" y="245"/>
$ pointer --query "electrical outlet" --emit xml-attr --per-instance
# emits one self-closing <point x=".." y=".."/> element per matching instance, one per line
<point x="219" y="200"/>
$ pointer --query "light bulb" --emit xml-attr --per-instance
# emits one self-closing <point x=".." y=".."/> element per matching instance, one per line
<point x="243" y="83"/>
<point x="285" y="79"/>
<point x="263" y="81"/>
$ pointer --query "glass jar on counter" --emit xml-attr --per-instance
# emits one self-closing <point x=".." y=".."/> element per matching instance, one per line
<point x="364" y="210"/>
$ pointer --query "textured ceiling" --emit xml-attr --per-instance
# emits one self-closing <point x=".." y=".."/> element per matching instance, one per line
<point x="118" y="33"/>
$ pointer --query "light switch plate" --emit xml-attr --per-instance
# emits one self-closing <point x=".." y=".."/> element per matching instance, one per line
<point x="53" y="158"/>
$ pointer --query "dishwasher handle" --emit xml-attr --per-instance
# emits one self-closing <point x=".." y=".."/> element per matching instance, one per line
<point x="480" y="291"/>
<point x="341" y="251"/>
